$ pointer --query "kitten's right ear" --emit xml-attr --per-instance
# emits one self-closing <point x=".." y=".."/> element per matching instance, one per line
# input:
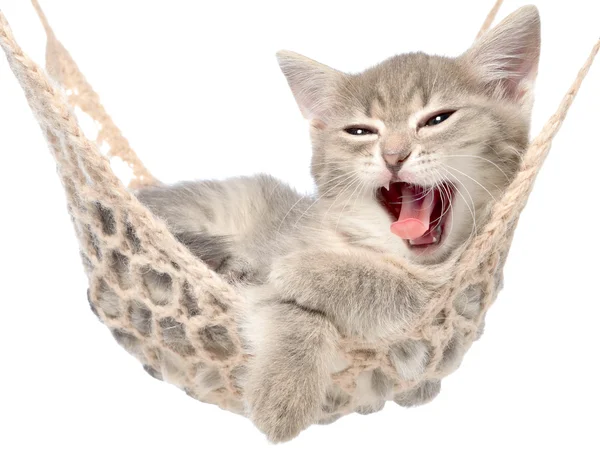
<point x="506" y="57"/>
<point x="313" y="84"/>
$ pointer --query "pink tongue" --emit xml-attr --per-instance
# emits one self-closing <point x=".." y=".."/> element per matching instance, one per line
<point x="414" y="214"/>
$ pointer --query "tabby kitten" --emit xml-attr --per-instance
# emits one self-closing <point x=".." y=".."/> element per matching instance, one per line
<point x="407" y="159"/>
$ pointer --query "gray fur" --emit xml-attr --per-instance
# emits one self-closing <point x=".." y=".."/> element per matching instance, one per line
<point x="317" y="267"/>
<point x="453" y="353"/>
<point x="410" y="358"/>
<point x="216" y="341"/>
<point x="159" y="285"/>
<point x="423" y="393"/>
<point x="214" y="250"/>
<point x="334" y="400"/>
<point x="141" y="317"/>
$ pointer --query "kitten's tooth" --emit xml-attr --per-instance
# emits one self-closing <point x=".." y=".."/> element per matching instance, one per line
<point x="411" y="242"/>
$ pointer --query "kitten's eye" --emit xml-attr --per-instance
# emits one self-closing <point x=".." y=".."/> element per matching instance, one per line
<point x="359" y="131"/>
<point x="438" y="118"/>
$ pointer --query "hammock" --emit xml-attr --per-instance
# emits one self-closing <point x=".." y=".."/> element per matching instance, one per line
<point x="122" y="242"/>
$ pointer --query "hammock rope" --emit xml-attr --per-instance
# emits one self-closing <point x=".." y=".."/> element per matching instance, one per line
<point x="63" y="69"/>
<point x="489" y="20"/>
<point x="122" y="243"/>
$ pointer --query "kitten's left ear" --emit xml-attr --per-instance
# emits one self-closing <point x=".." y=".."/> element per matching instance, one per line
<point x="506" y="57"/>
<point x="313" y="84"/>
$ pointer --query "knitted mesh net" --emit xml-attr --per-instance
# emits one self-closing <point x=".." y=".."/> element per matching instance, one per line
<point x="185" y="332"/>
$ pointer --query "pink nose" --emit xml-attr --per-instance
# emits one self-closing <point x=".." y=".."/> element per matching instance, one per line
<point x="393" y="160"/>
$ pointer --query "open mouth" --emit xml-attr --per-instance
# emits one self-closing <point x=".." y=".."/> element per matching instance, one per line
<point x="420" y="213"/>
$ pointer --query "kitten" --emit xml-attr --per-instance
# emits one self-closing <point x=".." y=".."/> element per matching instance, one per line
<point x="407" y="159"/>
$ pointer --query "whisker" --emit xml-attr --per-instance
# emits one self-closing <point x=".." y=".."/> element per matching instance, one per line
<point x="288" y="212"/>
<point x="349" y="186"/>
<point x="478" y="157"/>
<point x="358" y="186"/>
<point x="473" y="179"/>
<point x="446" y="189"/>
<point x="471" y="210"/>
<point x="443" y="194"/>
<point x="304" y="197"/>
<point x="349" y="176"/>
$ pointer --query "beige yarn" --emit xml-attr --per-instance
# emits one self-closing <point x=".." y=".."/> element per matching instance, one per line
<point x="121" y="242"/>
<point x="65" y="72"/>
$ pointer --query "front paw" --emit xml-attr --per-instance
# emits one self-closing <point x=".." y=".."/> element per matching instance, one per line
<point x="282" y="407"/>
<point x="421" y="394"/>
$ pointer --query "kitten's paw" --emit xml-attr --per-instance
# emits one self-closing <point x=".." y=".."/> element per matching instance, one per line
<point x="328" y="419"/>
<point x="281" y="409"/>
<point x="453" y="354"/>
<point x="365" y="410"/>
<point x="410" y="358"/>
<point x="423" y="393"/>
<point x="335" y="399"/>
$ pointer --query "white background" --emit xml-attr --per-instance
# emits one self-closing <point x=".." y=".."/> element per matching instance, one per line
<point x="196" y="89"/>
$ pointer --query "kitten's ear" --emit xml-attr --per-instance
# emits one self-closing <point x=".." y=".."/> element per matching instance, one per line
<point x="313" y="84"/>
<point x="507" y="57"/>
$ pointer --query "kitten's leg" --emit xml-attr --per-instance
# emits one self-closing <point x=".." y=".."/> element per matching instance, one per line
<point x="187" y="207"/>
<point x="361" y="293"/>
<point x="228" y="224"/>
<point x="215" y="251"/>
<point x="290" y="372"/>
<point x="192" y="211"/>
<point x="219" y="253"/>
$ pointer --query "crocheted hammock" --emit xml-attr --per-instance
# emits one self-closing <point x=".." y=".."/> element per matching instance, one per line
<point x="121" y="242"/>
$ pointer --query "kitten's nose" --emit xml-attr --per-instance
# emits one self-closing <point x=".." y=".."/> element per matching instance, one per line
<point x="394" y="160"/>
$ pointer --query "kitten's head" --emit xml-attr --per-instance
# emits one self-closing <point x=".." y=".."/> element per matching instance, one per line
<point x="447" y="133"/>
